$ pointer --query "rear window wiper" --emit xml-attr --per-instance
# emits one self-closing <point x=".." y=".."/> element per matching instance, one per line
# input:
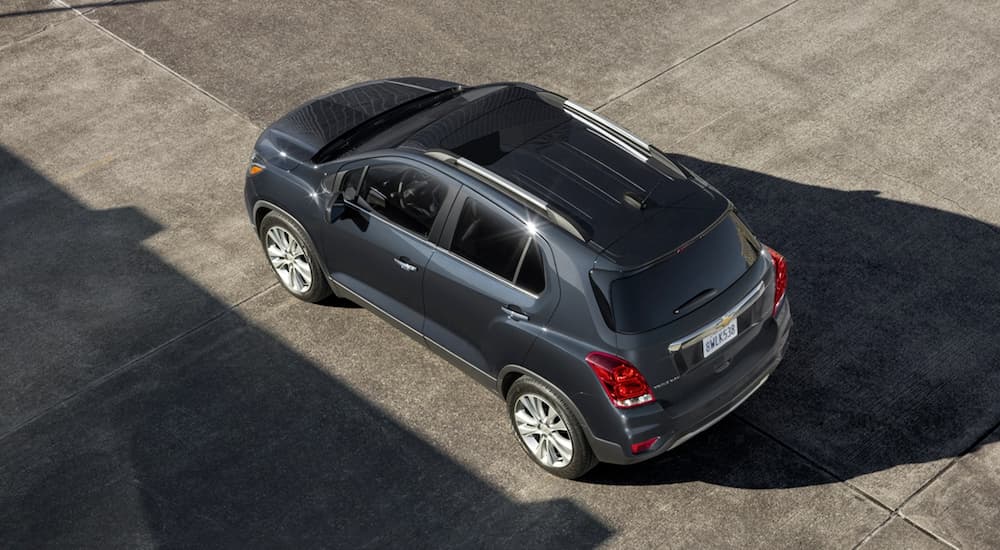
<point x="698" y="299"/>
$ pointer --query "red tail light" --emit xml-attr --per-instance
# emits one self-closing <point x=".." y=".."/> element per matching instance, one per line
<point x="780" y="278"/>
<point x="624" y="384"/>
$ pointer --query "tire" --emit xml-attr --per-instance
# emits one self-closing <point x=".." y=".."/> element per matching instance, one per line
<point x="547" y="445"/>
<point x="292" y="258"/>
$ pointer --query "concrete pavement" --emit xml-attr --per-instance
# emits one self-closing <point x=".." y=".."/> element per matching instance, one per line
<point x="162" y="392"/>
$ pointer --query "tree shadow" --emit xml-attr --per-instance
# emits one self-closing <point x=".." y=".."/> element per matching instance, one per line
<point x="893" y="356"/>
<point x="226" y="437"/>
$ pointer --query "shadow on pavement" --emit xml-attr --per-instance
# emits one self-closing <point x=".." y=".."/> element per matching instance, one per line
<point x="225" y="438"/>
<point x="893" y="357"/>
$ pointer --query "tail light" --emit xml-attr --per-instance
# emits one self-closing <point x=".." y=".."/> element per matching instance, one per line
<point x="625" y="385"/>
<point x="780" y="278"/>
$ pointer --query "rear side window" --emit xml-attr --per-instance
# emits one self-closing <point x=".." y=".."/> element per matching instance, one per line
<point x="499" y="244"/>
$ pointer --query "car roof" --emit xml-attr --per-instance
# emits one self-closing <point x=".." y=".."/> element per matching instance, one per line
<point x="528" y="136"/>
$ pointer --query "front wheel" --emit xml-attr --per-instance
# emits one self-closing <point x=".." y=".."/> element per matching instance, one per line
<point x="548" y="430"/>
<point x="292" y="258"/>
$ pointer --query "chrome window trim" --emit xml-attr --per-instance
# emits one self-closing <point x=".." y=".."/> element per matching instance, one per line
<point x="733" y="312"/>
<point x="390" y="223"/>
<point x="490" y="273"/>
<point x="438" y="248"/>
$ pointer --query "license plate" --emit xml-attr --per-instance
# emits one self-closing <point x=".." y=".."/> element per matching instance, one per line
<point x="716" y="340"/>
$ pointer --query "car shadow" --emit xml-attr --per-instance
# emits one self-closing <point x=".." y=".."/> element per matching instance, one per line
<point x="225" y="437"/>
<point x="893" y="356"/>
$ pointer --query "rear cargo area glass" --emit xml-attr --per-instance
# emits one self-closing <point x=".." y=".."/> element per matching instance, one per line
<point x="649" y="299"/>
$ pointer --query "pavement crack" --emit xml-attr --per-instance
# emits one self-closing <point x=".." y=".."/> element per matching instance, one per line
<point x="928" y="190"/>
<point x="692" y="56"/>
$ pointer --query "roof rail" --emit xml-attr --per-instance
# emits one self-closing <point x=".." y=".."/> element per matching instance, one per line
<point x="606" y="125"/>
<point x="510" y="189"/>
<point x="621" y="137"/>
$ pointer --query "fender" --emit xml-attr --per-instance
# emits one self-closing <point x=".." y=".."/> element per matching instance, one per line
<point x="606" y="451"/>
<point x="312" y="243"/>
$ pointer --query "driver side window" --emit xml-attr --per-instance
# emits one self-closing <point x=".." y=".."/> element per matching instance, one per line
<point x="407" y="196"/>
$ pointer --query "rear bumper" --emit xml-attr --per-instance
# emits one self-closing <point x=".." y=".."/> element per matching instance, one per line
<point x="647" y="422"/>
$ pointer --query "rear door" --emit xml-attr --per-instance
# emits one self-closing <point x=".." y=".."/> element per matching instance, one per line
<point x="379" y="242"/>
<point x="491" y="287"/>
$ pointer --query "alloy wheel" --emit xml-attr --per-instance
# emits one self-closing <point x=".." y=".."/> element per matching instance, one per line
<point x="543" y="430"/>
<point x="289" y="260"/>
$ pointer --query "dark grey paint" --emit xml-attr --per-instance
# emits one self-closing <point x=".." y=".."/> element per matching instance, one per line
<point x="455" y="307"/>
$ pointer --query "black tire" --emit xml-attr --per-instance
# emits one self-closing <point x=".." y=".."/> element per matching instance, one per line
<point x="583" y="459"/>
<point x="318" y="288"/>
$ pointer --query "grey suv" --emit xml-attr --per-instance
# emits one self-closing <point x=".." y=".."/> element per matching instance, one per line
<point x="612" y="297"/>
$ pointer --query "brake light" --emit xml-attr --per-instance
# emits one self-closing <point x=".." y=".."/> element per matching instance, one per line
<point x="780" y="278"/>
<point x="625" y="385"/>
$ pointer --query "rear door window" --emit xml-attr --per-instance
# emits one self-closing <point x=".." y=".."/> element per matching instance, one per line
<point x="500" y="244"/>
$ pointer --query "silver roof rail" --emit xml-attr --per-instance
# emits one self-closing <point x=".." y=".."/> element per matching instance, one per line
<point x="606" y="125"/>
<point x="508" y="188"/>
<point x="499" y="181"/>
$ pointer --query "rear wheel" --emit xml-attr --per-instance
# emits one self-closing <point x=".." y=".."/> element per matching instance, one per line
<point x="548" y="430"/>
<point x="292" y="258"/>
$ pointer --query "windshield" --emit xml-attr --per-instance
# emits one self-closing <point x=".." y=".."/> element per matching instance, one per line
<point x="378" y="123"/>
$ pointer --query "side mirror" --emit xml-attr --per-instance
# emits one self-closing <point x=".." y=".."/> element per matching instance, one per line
<point x="349" y="195"/>
<point x="338" y="207"/>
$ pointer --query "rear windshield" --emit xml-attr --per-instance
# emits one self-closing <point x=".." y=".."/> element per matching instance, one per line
<point x="652" y="297"/>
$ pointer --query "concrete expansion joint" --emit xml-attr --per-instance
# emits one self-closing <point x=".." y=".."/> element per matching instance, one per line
<point x="96" y="24"/>
<point x="893" y="512"/>
<point x="692" y="56"/>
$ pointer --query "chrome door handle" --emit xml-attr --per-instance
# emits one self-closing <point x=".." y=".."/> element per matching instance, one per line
<point x="514" y="313"/>
<point x="404" y="264"/>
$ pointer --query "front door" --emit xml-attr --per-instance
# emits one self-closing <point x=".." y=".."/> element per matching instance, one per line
<point x="379" y="245"/>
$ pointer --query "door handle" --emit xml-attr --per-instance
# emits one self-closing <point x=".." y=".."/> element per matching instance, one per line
<point x="404" y="263"/>
<point x="514" y="313"/>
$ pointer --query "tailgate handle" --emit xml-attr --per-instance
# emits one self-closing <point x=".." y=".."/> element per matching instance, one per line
<point x="514" y="313"/>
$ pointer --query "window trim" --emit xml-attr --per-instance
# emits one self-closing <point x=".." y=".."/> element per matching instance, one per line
<point x="444" y="214"/>
<point x="448" y="235"/>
